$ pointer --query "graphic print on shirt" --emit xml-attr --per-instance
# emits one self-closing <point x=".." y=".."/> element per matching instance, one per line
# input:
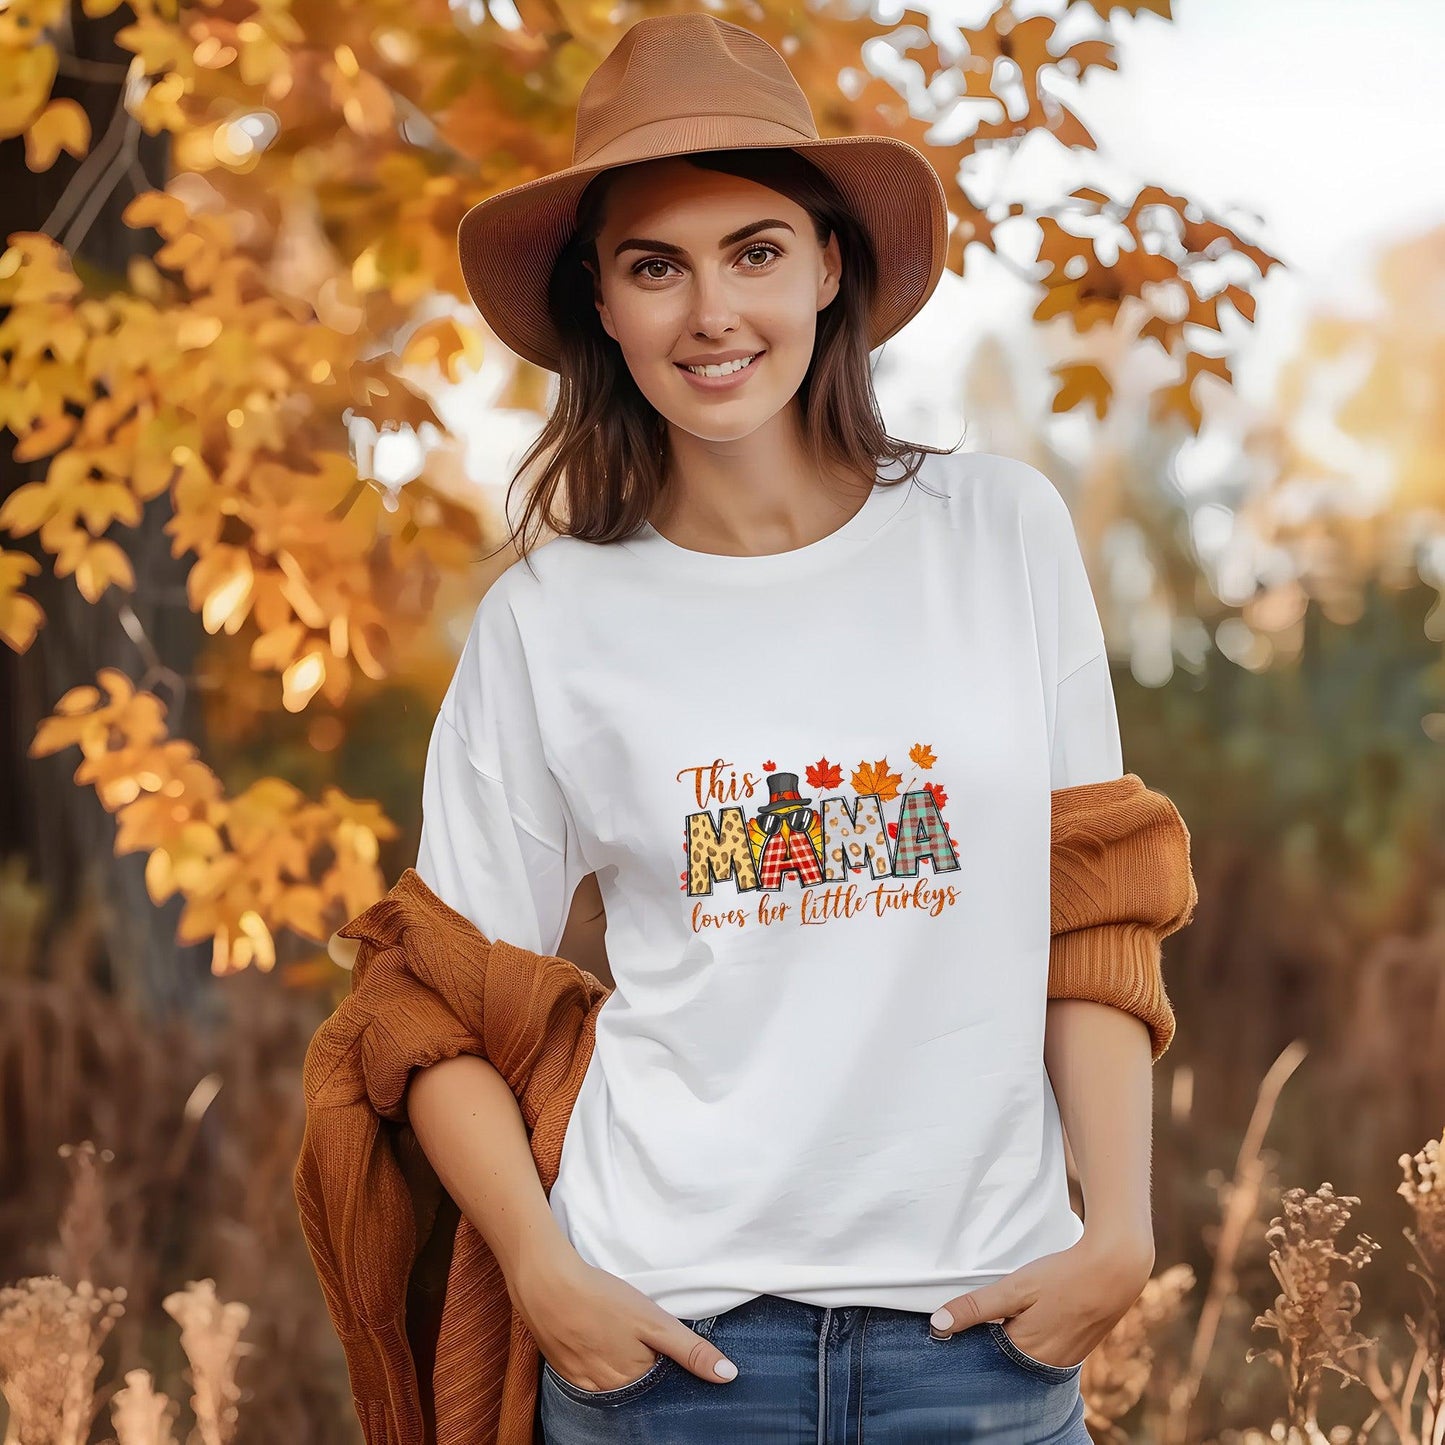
<point x="825" y="844"/>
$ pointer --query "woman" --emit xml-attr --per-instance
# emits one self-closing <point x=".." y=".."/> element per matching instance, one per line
<point x="801" y="722"/>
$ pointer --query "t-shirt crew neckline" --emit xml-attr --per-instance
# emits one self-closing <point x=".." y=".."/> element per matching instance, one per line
<point x="881" y="504"/>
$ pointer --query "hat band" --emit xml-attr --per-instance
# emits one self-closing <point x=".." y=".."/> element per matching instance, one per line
<point x="658" y="138"/>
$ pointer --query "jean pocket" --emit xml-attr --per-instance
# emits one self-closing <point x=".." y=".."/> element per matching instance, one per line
<point x="1025" y="1361"/>
<point x="620" y="1394"/>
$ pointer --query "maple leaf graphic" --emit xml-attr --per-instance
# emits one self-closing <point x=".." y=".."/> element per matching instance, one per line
<point x="770" y="766"/>
<point x="823" y="775"/>
<point x="876" y="778"/>
<point x="939" y="796"/>
<point x="921" y="755"/>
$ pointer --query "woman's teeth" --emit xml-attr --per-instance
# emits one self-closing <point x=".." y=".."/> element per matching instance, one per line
<point x="726" y="369"/>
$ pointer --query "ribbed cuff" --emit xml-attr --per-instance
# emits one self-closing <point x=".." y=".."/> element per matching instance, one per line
<point x="1117" y="964"/>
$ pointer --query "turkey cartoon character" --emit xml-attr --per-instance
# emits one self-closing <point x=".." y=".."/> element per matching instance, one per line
<point x="787" y="835"/>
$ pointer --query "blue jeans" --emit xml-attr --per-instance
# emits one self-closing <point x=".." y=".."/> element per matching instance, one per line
<point x="807" y="1375"/>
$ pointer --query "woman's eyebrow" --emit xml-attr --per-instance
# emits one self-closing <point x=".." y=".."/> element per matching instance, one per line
<point x="636" y="243"/>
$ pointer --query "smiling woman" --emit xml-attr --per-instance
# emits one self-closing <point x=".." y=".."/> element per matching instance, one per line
<point x="708" y="279"/>
<point x="801" y="724"/>
<point x="713" y="304"/>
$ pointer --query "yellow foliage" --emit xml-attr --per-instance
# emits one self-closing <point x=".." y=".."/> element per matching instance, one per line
<point x="62" y="125"/>
<point x="20" y="616"/>
<point x="245" y="865"/>
<point x="321" y="158"/>
<point x="29" y="73"/>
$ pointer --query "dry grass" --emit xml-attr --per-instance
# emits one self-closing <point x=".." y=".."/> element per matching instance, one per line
<point x="52" y="1334"/>
<point x="197" y="1131"/>
<point x="50" y="1340"/>
<point x="1312" y="1317"/>
<point x="50" y="1355"/>
<point x="198" y="1127"/>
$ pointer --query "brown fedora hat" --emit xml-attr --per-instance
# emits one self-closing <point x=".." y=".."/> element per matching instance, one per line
<point x="679" y="83"/>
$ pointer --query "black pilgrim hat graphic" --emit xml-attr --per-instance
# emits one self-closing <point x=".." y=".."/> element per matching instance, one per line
<point x="783" y="788"/>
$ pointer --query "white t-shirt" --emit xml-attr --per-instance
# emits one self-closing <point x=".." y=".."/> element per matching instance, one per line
<point x="821" y="1072"/>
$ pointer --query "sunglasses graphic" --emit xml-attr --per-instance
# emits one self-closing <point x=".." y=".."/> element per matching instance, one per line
<point x="795" y="818"/>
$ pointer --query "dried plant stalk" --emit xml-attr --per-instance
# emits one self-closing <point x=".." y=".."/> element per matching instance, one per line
<point x="50" y="1342"/>
<point x="1241" y="1199"/>
<point x="211" y="1338"/>
<point x="1315" y="1311"/>
<point x="83" y="1226"/>
<point x="1424" y="1190"/>
<point x="141" y="1414"/>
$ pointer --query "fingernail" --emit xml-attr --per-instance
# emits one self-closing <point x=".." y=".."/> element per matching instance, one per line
<point x="725" y="1370"/>
<point x="942" y="1319"/>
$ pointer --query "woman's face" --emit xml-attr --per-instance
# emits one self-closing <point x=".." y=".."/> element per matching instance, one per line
<point x="673" y="287"/>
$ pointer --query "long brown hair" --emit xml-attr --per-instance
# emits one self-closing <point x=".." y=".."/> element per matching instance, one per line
<point x="605" y="443"/>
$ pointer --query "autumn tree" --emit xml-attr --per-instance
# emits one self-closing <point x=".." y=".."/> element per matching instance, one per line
<point x="238" y="255"/>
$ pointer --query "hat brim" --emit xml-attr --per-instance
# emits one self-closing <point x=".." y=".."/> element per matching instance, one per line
<point x="509" y="243"/>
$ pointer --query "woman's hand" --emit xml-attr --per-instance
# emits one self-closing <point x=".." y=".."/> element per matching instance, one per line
<point x="600" y="1333"/>
<point x="1062" y="1304"/>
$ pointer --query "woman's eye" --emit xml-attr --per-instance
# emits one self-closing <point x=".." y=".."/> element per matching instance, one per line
<point x="762" y="246"/>
<point x="765" y="249"/>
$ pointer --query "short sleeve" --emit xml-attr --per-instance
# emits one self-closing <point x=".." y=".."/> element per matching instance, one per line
<point x="1085" y="744"/>
<point x="498" y="842"/>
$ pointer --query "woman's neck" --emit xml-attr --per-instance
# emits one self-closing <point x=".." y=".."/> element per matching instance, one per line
<point x="736" y="520"/>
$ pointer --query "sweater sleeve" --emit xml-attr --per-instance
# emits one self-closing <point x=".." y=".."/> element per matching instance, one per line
<point x="498" y="842"/>
<point x="1121" y="883"/>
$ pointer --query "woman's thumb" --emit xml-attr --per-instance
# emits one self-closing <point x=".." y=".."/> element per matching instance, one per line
<point x="966" y="1310"/>
<point x="701" y="1356"/>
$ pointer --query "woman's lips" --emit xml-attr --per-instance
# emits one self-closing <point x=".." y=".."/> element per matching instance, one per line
<point x="723" y="383"/>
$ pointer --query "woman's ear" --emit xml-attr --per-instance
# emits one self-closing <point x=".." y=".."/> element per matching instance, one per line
<point x="832" y="271"/>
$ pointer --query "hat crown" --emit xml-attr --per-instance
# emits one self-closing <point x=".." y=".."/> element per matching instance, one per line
<point x="682" y="85"/>
<point x="687" y="66"/>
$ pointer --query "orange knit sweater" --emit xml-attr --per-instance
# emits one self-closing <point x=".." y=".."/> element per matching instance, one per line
<point x="435" y="1351"/>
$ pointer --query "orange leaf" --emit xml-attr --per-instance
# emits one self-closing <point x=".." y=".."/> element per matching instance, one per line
<point x="27" y="507"/>
<point x="165" y="212"/>
<point x="78" y="700"/>
<point x="823" y="775"/>
<point x="1080" y="385"/>
<point x="20" y="616"/>
<point x="62" y="125"/>
<point x="272" y="651"/>
<point x="104" y="563"/>
<point x="876" y="778"/>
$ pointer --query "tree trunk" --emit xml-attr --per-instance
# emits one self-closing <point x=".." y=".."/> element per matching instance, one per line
<point x="45" y="816"/>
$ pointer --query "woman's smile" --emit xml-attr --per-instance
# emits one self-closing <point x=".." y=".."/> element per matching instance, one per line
<point x="725" y="382"/>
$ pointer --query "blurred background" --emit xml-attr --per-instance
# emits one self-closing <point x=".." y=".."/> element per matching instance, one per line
<point x="256" y="457"/>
